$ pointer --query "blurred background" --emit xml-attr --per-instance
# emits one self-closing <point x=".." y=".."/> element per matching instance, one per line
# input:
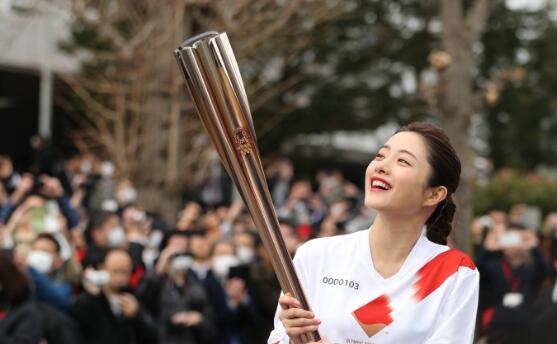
<point x="113" y="204"/>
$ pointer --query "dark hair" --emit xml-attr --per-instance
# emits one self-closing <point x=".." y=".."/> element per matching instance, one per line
<point x="168" y="235"/>
<point x="446" y="169"/>
<point x="15" y="285"/>
<point x="51" y="238"/>
<point x="96" y="222"/>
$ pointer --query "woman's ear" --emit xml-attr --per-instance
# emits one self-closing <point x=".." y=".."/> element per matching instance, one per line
<point x="435" y="195"/>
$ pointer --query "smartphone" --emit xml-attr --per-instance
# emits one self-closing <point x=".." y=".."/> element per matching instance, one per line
<point x="97" y="277"/>
<point x="37" y="215"/>
<point x="486" y="221"/>
<point x="510" y="239"/>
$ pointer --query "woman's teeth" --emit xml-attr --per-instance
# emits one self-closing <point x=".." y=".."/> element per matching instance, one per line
<point x="380" y="184"/>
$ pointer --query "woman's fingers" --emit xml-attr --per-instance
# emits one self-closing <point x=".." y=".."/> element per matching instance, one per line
<point x="286" y="301"/>
<point x="294" y="332"/>
<point x="300" y="322"/>
<point x="296" y="321"/>
<point x="294" y="313"/>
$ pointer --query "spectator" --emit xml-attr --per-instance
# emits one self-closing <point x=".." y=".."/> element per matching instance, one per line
<point x="245" y="242"/>
<point x="20" y="320"/>
<point x="44" y="266"/>
<point x="512" y="268"/>
<point x="104" y="232"/>
<point x="109" y="312"/>
<point x="179" y="303"/>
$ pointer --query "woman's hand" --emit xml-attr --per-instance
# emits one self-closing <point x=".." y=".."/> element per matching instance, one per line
<point x="296" y="321"/>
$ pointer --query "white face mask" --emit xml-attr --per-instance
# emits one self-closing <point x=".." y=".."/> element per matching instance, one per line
<point x="138" y="216"/>
<point x="181" y="264"/>
<point x="109" y="205"/>
<point x="40" y="261"/>
<point x="245" y="254"/>
<point x="116" y="237"/>
<point x="85" y="167"/>
<point x="222" y="265"/>
<point x="149" y="255"/>
<point x="107" y="169"/>
<point x="128" y="195"/>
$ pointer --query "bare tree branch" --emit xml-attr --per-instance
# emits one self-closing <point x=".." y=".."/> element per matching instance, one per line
<point x="477" y="17"/>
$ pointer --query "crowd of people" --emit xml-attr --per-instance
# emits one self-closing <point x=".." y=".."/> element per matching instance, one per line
<point x="517" y="259"/>
<point x="82" y="262"/>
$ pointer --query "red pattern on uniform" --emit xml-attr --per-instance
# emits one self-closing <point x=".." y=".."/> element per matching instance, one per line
<point x="433" y="274"/>
<point x="376" y="311"/>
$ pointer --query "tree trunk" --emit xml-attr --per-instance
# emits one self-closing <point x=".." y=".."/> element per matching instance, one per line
<point x="456" y="98"/>
<point x="160" y="157"/>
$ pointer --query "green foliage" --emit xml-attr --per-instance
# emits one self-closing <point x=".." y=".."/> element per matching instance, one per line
<point x="510" y="187"/>
<point x="366" y="68"/>
<point x="85" y="37"/>
<point x="523" y="122"/>
<point x="382" y="43"/>
<point x="355" y="75"/>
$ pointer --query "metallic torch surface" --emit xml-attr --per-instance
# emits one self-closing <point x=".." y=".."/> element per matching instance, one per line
<point x="213" y="79"/>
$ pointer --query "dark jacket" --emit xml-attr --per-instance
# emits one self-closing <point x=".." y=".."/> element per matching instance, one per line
<point x="99" y="325"/>
<point x="23" y="324"/>
<point x="499" y="278"/>
<point x="164" y="299"/>
<point x="233" y="324"/>
<point x="544" y="329"/>
<point x="59" y="328"/>
<point x="265" y="291"/>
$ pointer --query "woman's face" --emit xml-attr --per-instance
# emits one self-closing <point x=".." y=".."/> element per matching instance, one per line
<point x="402" y="164"/>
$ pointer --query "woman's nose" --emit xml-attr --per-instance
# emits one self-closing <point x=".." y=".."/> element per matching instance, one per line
<point x="382" y="166"/>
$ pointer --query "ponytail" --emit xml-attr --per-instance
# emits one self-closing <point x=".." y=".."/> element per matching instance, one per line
<point x="446" y="169"/>
<point x="440" y="223"/>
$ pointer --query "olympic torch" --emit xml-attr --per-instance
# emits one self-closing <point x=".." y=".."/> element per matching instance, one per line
<point x="214" y="82"/>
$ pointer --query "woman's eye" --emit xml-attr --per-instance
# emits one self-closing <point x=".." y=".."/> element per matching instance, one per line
<point x="378" y="156"/>
<point x="404" y="161"/>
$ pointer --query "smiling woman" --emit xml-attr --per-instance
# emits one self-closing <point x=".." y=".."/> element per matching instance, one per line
<point x="394" y="282"/>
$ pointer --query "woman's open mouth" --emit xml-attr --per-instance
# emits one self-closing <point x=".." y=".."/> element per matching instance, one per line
<point x="379" y="185"/>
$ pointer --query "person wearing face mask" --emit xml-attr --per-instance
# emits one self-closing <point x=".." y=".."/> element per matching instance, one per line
<point x="245" y="246"/>
<point x="43" y="262"/>
<point x="125" y="193"/>
<point x="50" y="289"/>
<point x="103" y="233"/>
<point x="202" y="271"/>
<point x="223" y="253"/>
<point x="108" y="312"/>
<point x="136" y="226"/>
<point x="226" y="282"/>
<point x="21" y="320"/>
<point x="513" y="269"/>
<point x="178" y="302"/>
<point x="398" y="281"/>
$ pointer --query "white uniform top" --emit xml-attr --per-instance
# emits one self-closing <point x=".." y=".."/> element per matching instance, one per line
<point x="433" y="298"/>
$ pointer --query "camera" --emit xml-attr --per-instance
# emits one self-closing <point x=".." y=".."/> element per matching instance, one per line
<point x="97" y="277"/>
